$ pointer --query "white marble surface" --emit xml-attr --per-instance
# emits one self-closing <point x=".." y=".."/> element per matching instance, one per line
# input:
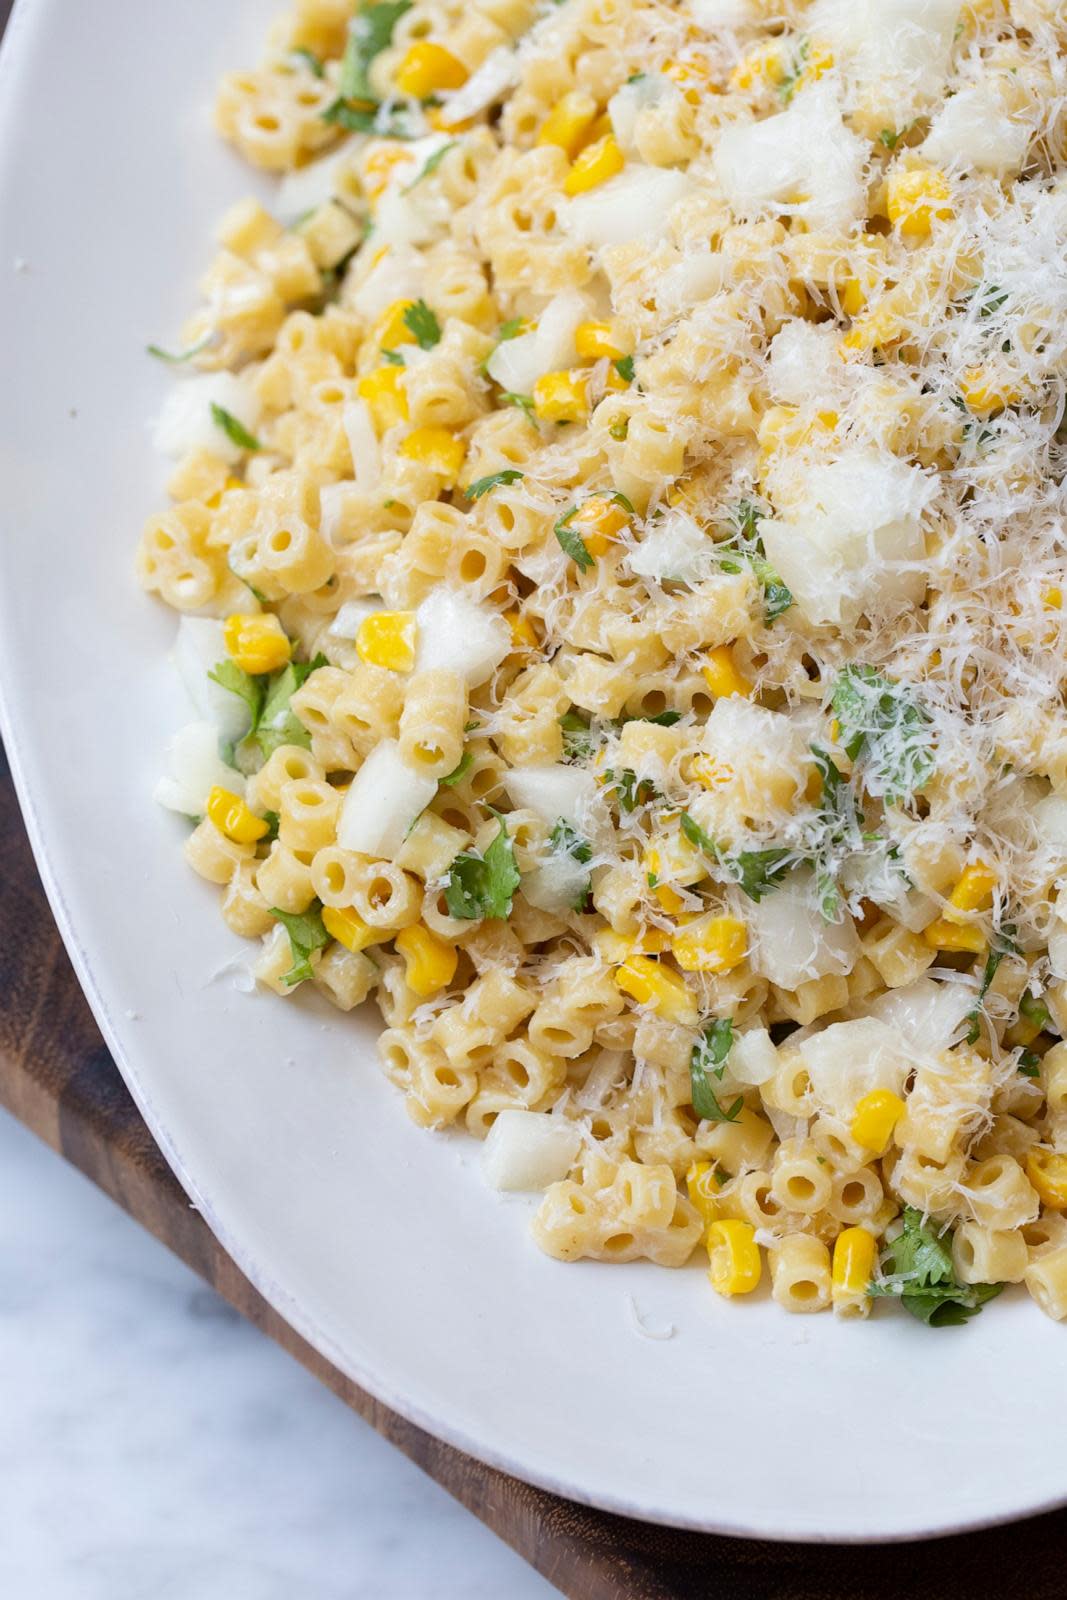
<point x="154" y="1446"/>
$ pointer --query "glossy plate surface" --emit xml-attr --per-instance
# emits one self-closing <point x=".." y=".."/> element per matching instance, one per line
<point x="379" y="1242"/>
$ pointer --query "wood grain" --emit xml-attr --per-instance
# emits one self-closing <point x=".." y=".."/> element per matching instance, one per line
<point x="56" y="1076"/>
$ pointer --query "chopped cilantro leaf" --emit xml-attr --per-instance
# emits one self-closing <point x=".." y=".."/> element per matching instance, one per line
<point x="524" y="402"/>
<point x="886" y="730"/>
<point x="431" y="164"/>
<point x="309" y="59"/>
<point x="178" y="356"/>
<point x="483" y="886"/>
<point x="422" y="325"/>
<point x="696" y="835"/>
<point x="578" y="738"/>
<point x="916" y="1268"/>
<point x="993" y="960"/>
<point x="278" y="724"/>
<point x="566" y="840"/>
<point x="480" y="486"/>
<point x="572" y="543"/>
<point x="306" y="935"/>
<point x="1034" y="1011"/>
<point x="1029" y="1064"/>
<point x="629" y="790"/>
<point x="757" y="872"/>
<point x="235" y="431"/>
<point x="395" y="358"/>
<point x="709" y="1054"/>
<point x="370" y="32"/>
<point x="458" y="772"/>
<point x="624" y="366"/>
<point x="251" y="690"/>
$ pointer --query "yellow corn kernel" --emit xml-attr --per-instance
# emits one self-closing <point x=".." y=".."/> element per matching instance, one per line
<point x="615" y="948"/>
<point x="765" y="65"/>
<point x="722" y="676"/>
<point x="561" y="397"/>
<point x="391" y="329"/>
<point x="854" y="1255"/>
<point x="387" y="639"/>
<point x="523" y="636"/>
<point x="378" y="166"/>
<point x="879" y="327"/>
<point x="818" y="59"/>
<point x="985" y="393"/>
<point x="349" y="928"/>
<point x="974" y="891"/>
<point x="233" y="818"/>
<point x="594" y="165"/>
<point x="437" y="449"/>
<point x="596" y="340"/>
<point x="256" y="643"/>
<point x="875" y="1117"/>
<point x="1047" y="1171"/>
<point x="431" y="963"/>
<point x="735" y="1263"/>
<point x="598" y="521"/>
<point x="428" y="66"/>
<point x="664" y="992"/>
<point x="716" y="944"/>
<point x="693" y="77"/>
<point x="213" y="501"/>
<point x="1052" y="599"/>
<point x="946" y="935"/>
<point x="383" y="390"/>
<point x="917" y="199"/>
<point x="702" y="1185"/>
<point x="566" y="123"/>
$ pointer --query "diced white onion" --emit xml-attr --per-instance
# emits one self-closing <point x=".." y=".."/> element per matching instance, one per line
<point x="529" y="1150"/>
<point x="791" y="943"/>
<point x="198" y="650"/>
<point x="186" y="422"/>
<point x="483" y="88"/>
<point x="383" y="801"/>
<point x="636" y="204"/>
<point x="457" y="634"/>
<point x="195" y="768"/>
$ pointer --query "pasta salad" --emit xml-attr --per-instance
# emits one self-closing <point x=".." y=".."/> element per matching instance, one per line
<point x="618" y="529"/>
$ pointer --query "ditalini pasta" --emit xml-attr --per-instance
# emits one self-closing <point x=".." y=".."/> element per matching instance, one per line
<point x="618" y="526"/>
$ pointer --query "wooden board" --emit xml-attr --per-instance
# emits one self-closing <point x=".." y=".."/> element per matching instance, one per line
<point x="56" y="1076"/>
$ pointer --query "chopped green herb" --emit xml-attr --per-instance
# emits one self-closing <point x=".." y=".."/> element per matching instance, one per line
<point x="885" y="728"/>
<point x="510" y="329"/>
<point x="1035" y="1011"/>
<point x="251" y="690"/>
<point x="990" y="299"/>
<point x="395" y="358"/>
<point x="709" y="1054"/>
<point x="629" y="790"/>
<point x="916" y="1268"/>
<point x="624" y="366"/>
<point x="566" y="840"/>
<point x="273" y="821"/>
<point x="278" y="724"/>
<point x="176" y="358"/>
<point x="696" y="835"/>
<point x="757" y="872"/>
<point x="480" y="486"/>
<point x="235" y="431"/>
<point x="483" y="886"/>
<point x="745" y="550"/>
<point x="370" y="32"/>
<point x="993" y="960"/>
<point x="422" y="325"/>
<point x="459" y="772"/>
<point x="309" y="59"/>
<point x="431" y="164"/>
<point x="523" y="402"/>
<point x="306" y="935"/>
<point x="579" y="741"/>
<point x="889" y="137"/>
<point x="788" y="86"/>
<point x="572" y="543"/>
<point x="1029" y="1064"/>
<point x="636" y="77"/>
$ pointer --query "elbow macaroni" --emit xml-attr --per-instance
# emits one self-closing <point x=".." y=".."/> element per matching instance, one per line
<point x="679" y="445"/>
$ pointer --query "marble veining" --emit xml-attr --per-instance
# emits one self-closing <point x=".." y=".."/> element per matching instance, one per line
<point x="155" y="1446"/>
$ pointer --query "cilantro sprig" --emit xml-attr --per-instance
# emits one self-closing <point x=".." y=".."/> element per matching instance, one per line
<point x="756" y="872"/>
<point x="916" y="1269"/>
<point x="744" y="549"/>
<point x="423" y="325"/>
<point x="483" y="885"/>
<point x="267" y="696"/>
<point x="709" y="1054"/>
<point x="886" y="730"/>
<point x="480" y="486"/>
<point x="234" y="430"/>
<point x="370" y="32"/>
<point x="565" y="840"/>
<point x="306" y="935"/>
